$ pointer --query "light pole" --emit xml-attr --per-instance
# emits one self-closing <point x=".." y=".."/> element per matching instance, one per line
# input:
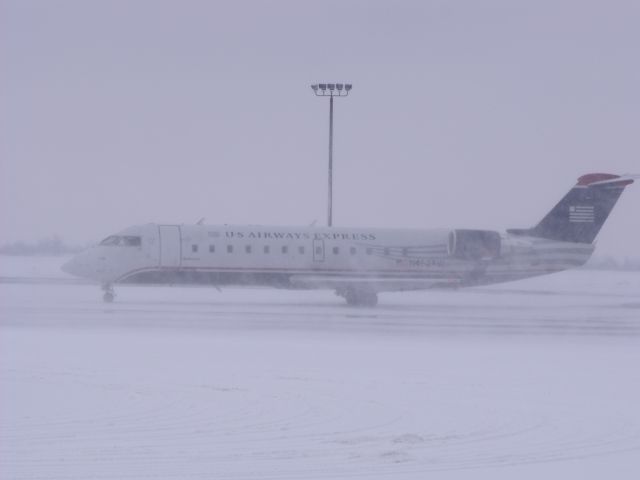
<point x="331" y="90"/>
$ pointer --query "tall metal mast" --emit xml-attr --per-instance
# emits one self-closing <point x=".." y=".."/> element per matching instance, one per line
<point x="331" y="90"/>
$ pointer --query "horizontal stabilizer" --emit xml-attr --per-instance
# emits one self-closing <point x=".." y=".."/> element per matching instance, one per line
<point x="621" y="181"/>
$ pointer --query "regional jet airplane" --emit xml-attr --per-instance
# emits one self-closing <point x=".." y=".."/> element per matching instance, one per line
<point x="357" y="263"/>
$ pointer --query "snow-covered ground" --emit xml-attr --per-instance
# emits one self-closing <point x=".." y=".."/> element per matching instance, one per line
<point x="532" y="379"/>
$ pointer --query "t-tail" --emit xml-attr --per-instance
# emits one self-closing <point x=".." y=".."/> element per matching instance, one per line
<point x="579" y="216"/>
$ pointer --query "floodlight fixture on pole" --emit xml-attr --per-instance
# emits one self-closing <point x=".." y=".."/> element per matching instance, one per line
<point x="331" y="90"/>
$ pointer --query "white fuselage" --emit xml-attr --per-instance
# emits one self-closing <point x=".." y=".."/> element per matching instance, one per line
<point x="315" y="257"/>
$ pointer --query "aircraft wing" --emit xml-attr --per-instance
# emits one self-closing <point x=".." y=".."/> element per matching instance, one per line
<point x="379" y="284"/>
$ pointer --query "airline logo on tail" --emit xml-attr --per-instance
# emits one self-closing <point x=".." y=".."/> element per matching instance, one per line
<point x="581" y="214"/>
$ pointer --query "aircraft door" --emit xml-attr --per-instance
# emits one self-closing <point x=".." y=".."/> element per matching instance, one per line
<point x="170" y="246"/>
<point x="318" y="250"/>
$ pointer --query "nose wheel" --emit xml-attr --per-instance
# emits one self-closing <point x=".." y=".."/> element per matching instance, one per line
<point x="109" y="294"/>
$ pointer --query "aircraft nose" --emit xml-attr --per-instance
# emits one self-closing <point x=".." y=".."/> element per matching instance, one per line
<point x="76" y="266"/>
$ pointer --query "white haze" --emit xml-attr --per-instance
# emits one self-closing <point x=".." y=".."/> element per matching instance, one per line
<point x="463" y="114"/>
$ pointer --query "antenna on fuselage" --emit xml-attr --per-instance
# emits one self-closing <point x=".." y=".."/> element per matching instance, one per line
<point x="200" y="222"/>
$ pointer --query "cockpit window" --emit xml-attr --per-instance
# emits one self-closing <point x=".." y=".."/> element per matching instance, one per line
<point x="131" y="241"/>
<point x="126" y="240"/>
<point x="112" y="240"/>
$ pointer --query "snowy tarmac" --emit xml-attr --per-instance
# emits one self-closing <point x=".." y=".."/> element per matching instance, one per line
<point x="532" y="379"/>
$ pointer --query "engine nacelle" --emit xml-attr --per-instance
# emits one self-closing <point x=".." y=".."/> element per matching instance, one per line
<point x="474" y="244"/>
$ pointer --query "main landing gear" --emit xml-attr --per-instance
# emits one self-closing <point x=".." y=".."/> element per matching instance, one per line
<point x="359" y="297"/>
<point x="109" y="294"/>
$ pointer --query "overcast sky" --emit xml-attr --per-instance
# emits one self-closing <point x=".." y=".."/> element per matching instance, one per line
<point x="477" y="114"/>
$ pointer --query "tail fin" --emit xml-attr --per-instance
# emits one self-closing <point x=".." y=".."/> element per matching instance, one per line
<point x="579" y="216"/>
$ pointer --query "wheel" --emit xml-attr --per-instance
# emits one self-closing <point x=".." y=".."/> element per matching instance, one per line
<point x="369" y="299"/>
<point x="360" y="298"/>
<point x="108" y="297"/>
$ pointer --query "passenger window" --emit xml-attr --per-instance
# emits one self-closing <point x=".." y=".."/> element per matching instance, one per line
<point x="301" y="250"/>
<point x="353" y="250"/>
<point x="194" y="248"/>
<point x="247" y="249"/>
<point x="336" y="250"/>
<point x="285" y="249"/>
<point x="229" y="248"/>
<point x="266" y="249"/>
<point x="212" y="249"/>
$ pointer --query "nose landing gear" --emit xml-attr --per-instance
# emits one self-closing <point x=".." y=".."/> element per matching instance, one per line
<point x="109" y="294"/>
